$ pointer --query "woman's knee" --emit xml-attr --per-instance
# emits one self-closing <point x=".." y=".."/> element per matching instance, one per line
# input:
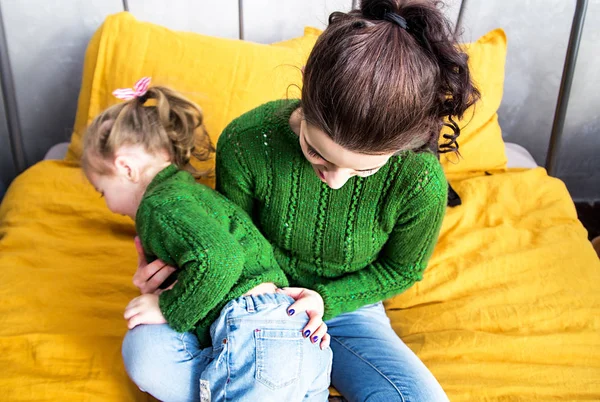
<point x="424" y="392"/>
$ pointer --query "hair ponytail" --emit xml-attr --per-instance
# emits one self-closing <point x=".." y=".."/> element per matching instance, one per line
<point x="181" y="121"/>
<point x="434" y="33"/>
<point x="160" y="120"/>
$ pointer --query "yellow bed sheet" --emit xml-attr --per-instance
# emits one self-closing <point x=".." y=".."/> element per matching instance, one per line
<point x="509" y="309"/>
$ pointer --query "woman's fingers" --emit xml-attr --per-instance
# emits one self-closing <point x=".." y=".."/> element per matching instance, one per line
<point x="313" y="324"/>
<point x="299" y="306"/>
<point x="149" y="277"/>
<point x="311" y="302"/>
<point x="325" y="341"/>
<point x="319" y="333"/>
<point x="294" y="293"/>
<point x="140" y="251"/>
<point x="160" y="276"/>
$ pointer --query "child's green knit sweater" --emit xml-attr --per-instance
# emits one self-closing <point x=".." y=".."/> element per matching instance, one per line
<point x="219" y="251"/>
<point x="360" y="244"/>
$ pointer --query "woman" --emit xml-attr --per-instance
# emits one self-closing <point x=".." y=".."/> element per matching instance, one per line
<point x="346" y="183"/>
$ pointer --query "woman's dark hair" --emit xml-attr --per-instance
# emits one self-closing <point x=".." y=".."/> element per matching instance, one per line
<point x="376" y="87"/>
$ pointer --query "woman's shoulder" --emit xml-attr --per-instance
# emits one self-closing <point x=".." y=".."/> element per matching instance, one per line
<point x="422" y="173"/>
<point x="271" y="117"/>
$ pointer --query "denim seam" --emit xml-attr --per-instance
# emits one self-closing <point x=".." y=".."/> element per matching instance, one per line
<point x="190" y="356"/>
<point x="372" y="366"/>
<point x="228" y="359"/>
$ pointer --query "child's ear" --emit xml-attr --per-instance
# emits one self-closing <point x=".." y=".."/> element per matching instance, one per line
<point x="126" y="168"/>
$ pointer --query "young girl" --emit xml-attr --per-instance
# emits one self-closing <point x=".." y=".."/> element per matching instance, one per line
<point x="346" y="184"/>
<point x="135" y="155"/>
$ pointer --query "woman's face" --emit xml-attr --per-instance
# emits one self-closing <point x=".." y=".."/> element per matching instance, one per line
<point x="333" y="163"/>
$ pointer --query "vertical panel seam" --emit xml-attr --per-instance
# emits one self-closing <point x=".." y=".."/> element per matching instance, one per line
<point x="10" y="103"/>
<point x="241" y="19"/>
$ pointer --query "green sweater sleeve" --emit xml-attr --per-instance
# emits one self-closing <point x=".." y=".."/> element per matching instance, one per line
<point x="210" y="260"/>
<point x="234" y="180"/>
<point x="399" y="265"/>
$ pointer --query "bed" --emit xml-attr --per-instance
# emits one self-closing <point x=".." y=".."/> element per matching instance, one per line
<point x="508" y="310"/>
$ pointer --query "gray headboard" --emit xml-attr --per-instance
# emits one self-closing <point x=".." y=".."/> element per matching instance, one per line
<point x="42" y="46"/>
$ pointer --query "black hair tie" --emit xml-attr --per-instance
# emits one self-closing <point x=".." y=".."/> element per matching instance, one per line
<point x="396" y="19"/>
<point x="143" y="98"/>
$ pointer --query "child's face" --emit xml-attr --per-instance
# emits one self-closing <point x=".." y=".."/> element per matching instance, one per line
<point x="121" y="195"/>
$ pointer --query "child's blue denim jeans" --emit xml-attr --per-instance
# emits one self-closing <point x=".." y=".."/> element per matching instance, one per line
<point x="258" y="354"/>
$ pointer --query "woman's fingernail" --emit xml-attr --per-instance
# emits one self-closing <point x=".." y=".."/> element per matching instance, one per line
<point x="306" y="333"/>
<point x="315" y="339"/>
<point x="291" y="311"/>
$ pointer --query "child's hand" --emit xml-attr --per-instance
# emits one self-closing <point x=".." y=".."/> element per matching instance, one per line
<point x="312" y="303"/>
<point x="143" y="309"/>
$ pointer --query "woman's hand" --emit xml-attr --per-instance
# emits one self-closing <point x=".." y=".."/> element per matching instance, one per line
<point x="149" y="277"/>
<point x="143" y="309"/>
<point x="312" y="303"/>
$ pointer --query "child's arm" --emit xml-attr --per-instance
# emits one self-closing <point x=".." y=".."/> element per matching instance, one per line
<point x="210" y="259"/>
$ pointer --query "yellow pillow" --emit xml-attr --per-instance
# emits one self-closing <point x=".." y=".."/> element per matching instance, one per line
<point x="225" y="77"/>
<point x="481" y="144"/>
<point x="229" y="77"/>
<point x="303" y="43"/>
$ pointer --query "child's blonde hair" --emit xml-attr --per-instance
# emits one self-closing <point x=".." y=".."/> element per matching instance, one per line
<point x="172" y="123"/>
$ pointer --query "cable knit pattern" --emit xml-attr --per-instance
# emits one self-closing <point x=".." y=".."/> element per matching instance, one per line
<point x="219" y="251"/>
<point x="363" y="243"/>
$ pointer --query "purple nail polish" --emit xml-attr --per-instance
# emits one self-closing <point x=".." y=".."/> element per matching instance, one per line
<point x="291" y="311"/>
<point x="315" y="339"/>
<point x="306" y="333"/>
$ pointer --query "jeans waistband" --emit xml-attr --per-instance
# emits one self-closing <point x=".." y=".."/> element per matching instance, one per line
<point x="253" y="303"/>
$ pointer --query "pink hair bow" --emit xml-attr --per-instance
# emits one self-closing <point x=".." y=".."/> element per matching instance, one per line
<point x="139" y="89"/>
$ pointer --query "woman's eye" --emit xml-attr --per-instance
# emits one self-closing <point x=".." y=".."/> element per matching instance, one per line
<point x="313" y="153"/>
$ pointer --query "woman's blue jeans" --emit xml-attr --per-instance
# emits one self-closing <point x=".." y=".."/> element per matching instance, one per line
<point x="370" y="362"/>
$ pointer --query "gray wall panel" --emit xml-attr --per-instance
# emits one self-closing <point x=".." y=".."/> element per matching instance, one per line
<point x="538" y="32"/>
<point x="533" y="65"/>
<point x="46" y="44"/>
<point x="268" y="21"/>
<point x="217" y="18"/>
<point x="579" y="153"/>
<point x="7" y="169"/>
<point x="286" y="19"/>
<point x="451" y="9"/>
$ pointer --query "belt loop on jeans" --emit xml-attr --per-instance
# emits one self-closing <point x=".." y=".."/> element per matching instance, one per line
<point x="249" y="304"/>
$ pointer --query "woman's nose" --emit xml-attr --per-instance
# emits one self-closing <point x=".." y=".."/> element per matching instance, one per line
<point x="336" y="177"/>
